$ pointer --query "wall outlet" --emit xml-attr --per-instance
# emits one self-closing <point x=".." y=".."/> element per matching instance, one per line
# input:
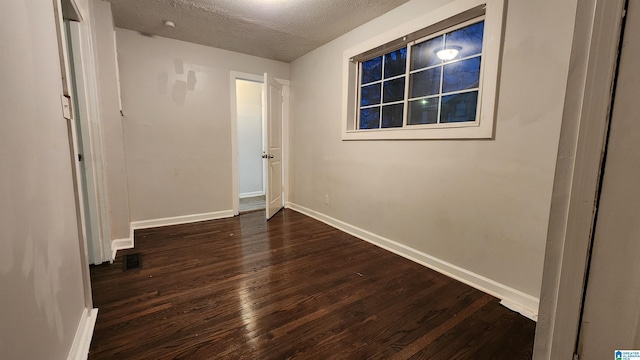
<point x="326" y="199"/>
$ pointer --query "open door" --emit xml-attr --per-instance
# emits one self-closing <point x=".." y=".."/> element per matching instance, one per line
<point x="272" y="114"/>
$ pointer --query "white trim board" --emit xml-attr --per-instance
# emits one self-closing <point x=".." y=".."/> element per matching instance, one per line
<point x="513" y="299"/>
<point x="120" y="244"/>
<point x="251" y="194"/>
<point x="82" y="340"/>
<point x="177" y="220"/>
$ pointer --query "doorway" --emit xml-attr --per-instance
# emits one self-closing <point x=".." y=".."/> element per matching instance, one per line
<point x="610" y="322"/>
<point x="272" y="151"/>
<point x="250" y="135"/>
<point x="579" y="201"/>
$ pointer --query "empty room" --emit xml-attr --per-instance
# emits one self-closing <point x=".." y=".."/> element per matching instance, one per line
<point x="311" y="179"/>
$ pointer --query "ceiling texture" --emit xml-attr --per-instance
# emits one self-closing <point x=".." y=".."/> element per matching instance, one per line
<point x="274" y="29"/>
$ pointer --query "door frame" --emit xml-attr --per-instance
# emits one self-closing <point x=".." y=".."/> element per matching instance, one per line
<point x="235" y="192"/>
<point x="584" y="129"/>
<point x="68" y="10"/>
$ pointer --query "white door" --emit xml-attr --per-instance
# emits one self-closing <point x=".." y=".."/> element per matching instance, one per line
<point x="90" y="210"/>
<point x="272" y="108"/>
<point x="611" y="314"/>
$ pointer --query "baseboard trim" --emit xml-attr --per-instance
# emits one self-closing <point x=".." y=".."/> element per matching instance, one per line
<point x="184" y="219"/>
<point x="82" y="340"/>
<point x="513" y="299"/>
<point x="251" y="194"/>
<point x="129" y="243"/>
<point x="121" y="244"/>
<point x="519" y="309"/>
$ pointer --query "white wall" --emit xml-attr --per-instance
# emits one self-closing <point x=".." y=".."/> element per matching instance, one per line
<point x="112" y="130"/>
<point x="250" y="172"/>
<point x="40" y="269"/>
<point x="480" y="205"/>
<point x="177" y="125"/>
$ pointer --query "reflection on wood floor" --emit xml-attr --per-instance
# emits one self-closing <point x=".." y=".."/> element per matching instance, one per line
<point x="244" y="288"/>
<point x="252" y="203"/>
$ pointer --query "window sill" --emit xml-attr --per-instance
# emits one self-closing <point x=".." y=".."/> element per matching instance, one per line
<point x="443" y="133"/>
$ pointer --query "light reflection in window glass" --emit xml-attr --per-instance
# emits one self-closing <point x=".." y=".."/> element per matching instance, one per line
<point x="468" y="40"/>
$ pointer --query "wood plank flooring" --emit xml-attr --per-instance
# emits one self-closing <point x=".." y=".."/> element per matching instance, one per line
<point x="293" y="287"/>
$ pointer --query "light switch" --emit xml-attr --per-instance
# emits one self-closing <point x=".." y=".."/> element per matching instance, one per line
<point x="66" y="106"/>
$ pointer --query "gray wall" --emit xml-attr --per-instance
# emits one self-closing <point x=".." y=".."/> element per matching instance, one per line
<point x="177" y="123"/>
<point x="480" y="205"/>
<point x="40" y="270"/>
<point x="250" y="173"/>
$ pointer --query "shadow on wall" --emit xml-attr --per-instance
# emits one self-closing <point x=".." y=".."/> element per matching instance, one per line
<point x="180" y="87"/>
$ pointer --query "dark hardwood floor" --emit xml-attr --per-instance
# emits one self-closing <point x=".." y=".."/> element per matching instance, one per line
<point x="294" y="287"/>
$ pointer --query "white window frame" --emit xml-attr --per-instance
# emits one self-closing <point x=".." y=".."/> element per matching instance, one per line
<point x="483" y="127"/>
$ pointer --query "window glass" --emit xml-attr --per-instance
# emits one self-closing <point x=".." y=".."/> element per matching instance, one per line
<point x="423" y="111"/>
<point x="394" y="90"/>
<point x="392" y="115"/>
<point x="424" y="54"/>
<point x="370" y="118"/>
<point x="459" y="107"/>
<point x="376" y="89"/>
<point x="425" y="82"/>
<point x="461" y="75"/>
<point x="467" y="40"/>
<point x="370" y="95"/>
<point x="395" y="63"/>
<point x="372" y="70"/>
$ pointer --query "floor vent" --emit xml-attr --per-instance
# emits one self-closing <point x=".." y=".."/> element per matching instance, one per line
<point x="132" y="261"/>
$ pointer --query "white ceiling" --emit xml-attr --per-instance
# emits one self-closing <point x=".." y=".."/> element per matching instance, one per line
<point x="274" y="29"/>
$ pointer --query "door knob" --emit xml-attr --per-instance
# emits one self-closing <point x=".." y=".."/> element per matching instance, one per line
<point x="265" y="156"/>
<point x="270" y="156"/>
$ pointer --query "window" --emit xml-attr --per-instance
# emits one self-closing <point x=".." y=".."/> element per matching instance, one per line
<point x="438" y="81"/>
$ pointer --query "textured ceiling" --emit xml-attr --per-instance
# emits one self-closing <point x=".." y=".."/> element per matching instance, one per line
<point x="274" y="29"/>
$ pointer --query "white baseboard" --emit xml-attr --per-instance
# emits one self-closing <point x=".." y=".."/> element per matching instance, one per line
<point x="82" y="340"/>
<point x="520" y="309"/>
<point x="120" y="244"/>
<point x="185" y="219"/>
<point x="251" y="194"/>
<point x="513" y="299"/>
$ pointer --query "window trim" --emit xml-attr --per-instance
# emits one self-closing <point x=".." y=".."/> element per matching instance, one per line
<point x="446" y="17"/>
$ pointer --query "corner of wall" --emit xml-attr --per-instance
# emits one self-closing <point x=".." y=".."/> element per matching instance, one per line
<point x="129" y="243"/>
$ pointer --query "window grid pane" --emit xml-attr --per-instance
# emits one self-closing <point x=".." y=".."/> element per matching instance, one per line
<point x="460" y="107"/>
<point x="370" y="94"/>
<point x="461" y="75"/>
<point x="392" y="115"/>
<point x="370" y="118"/>
<point x="371" y="70"/>
<point x="393" y="90"/>
<point x="395" y="63"/>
